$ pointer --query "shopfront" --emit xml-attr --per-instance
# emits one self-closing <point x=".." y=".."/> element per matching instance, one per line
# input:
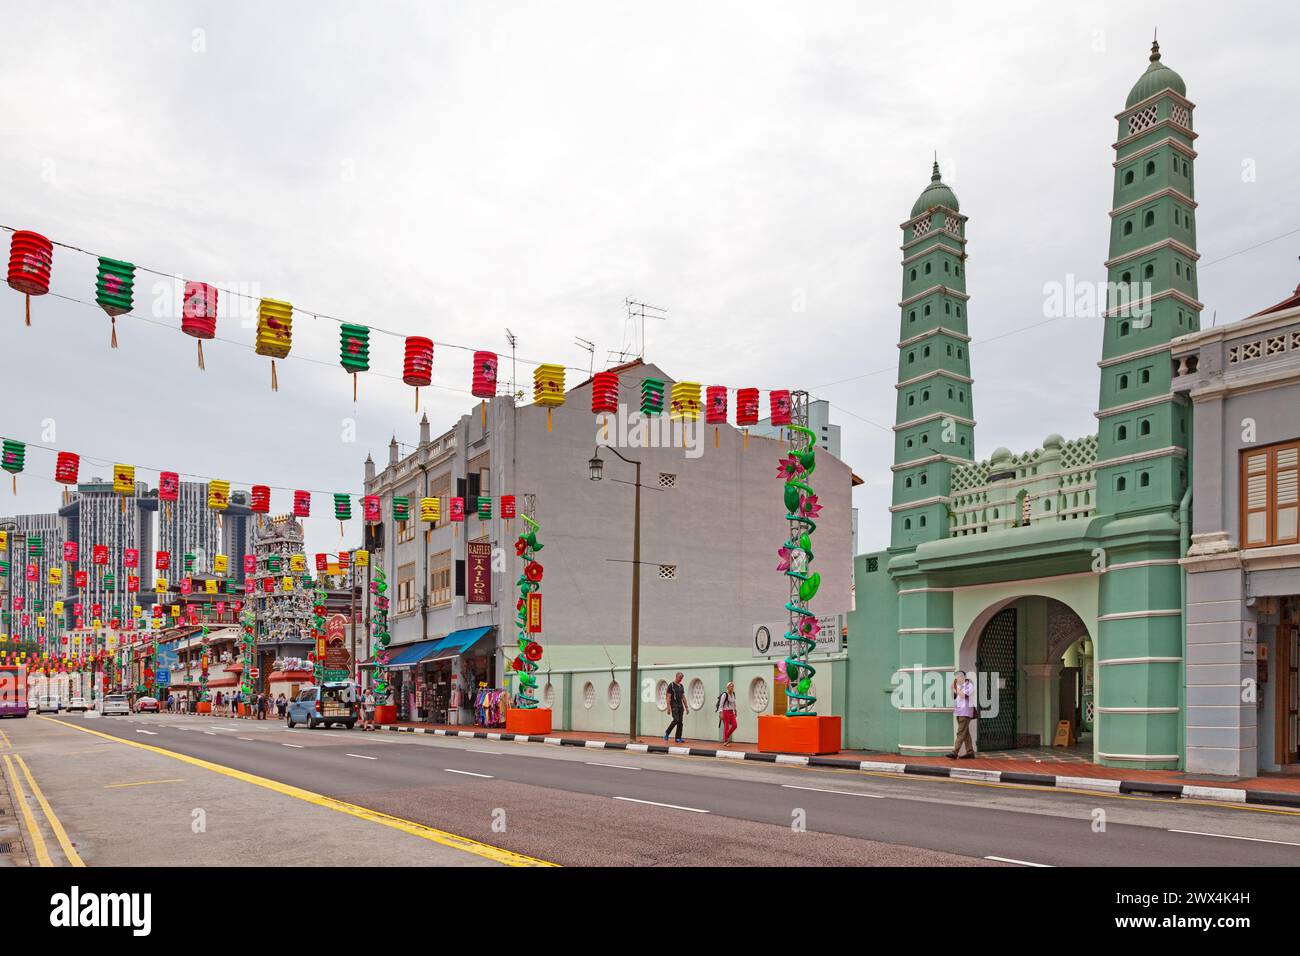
<point x="439" y="681"/>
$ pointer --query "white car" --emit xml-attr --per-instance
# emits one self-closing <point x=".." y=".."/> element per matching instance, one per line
<point x="77" y="703"/>
<point x="116" y="704"/>
<point x="47" y="704"/>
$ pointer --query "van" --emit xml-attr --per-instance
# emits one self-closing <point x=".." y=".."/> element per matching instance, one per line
<point x="47" y="704"/>
<point x="334" y="702"/>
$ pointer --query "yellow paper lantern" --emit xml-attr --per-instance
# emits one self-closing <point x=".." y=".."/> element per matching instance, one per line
<point x="548" y="389"/>
<point x="40" y="620"/>
<point x="160" y="586"/>
<point x="58" y="608"/>
<point x="274" y="332"/>
<point x="220" y="563"/>
<point x="685" y="401"/>
<point x="287" y="584"/>
<point x="124" y="480"/>
<point x="176" y="610"/>
<point x="4" y="540"/>
<point x="56" y="575"/>
<point x="361" y="559"/>
<point x="218" y="494"/>
<point x="430" y="510"/>
<point x="210" y="585"/>
<point x="297" y="562"/>
<point x="136" y="610"/>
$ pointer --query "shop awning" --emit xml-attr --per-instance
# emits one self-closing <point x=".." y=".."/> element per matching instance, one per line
<point x="408" y="655"/>
<point x="458" y="642"/>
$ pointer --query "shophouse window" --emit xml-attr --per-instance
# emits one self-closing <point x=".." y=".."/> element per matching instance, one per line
<point x="1268" y="495"/>
<point x="440" y="579"/>
<point x="440" y="487"/>
<point x="406" y="588"/>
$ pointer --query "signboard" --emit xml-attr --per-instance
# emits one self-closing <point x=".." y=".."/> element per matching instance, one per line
<point x="254" y="673"/>
<point x="337" y="657"/>
<point x="164" y="676"/>
<point x="479" y="572"/>
<point x="770" y="640"/>
<point x="533" y="623"/>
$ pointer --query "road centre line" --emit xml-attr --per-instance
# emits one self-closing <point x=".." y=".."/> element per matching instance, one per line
<point x="1229" y="836"/>
<point x="361" y="756"/>
<point x="847" y="793"/>
<point x="1004" y="859"/>
<point x="468" y="773"/>
<point x="670" y="806"/>
<point x="620" y="766"/>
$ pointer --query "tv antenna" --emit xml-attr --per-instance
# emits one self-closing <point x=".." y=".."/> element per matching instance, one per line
<point x="638" y="312"/>
<point x="590" y="349"/>
<point x="513" y="340"/>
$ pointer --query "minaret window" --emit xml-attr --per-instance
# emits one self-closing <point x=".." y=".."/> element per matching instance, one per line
<point x="1150" y="168"/>
<point x="950" y="350"/>
<point x="925" y="395"/>
<point x="1184" y="167"/>
<point x="907" y="483"/>
<point x="1123" y="329"/>
<point x="1148" y="219"/>
<point x="923" y="478"/>
<point x="959" y="351"/>
<point x="913" y="275"/>
<point x="907" y="524"/>
<point x="922" y="521"/>
<point x="1144" y="479"/>
<point x="1121" y="483"/>
<point x="1144" y="376"/>
<point x="1128" y="177"/>
<point x="1128" y="227"/>
<point x="1149" y="270"/>
<point x="1123" y="381"/>
<point x="925" y="352"/>
<point x="947" y="266"/>
<point x="1144" y="427"/>
<point x="961" y="396"/>
<point x="927" y="310"/>
<point x="911" y="400"/>
<point x="959" y="312"/>
<point x="1178" y="268"/>
<point x="927" y="268"/>
<point x="947" y="308"/>
<point x="911" y="357"/>
<point x="950" y="393"/>
<point x="1121" y="433"/>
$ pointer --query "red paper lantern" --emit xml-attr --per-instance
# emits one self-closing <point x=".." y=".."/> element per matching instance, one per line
<point x="169" y="486"/>
<point x="746" y="406"/>
<point x="65" y="467"/>
<point x="457" y="509"/>
<point x="715" y="405"/>
<point x="131" y="558"/>
<point x="70" y="552"/>
<point x="99" y="554"/>
<point x="507" y="506"/>
<point x="302" y="504"/>
<point x="484" y="383"/>
<point x="260" y="499"/>
<point x="322" y="561"/>
<point x="250" y="563"/>
<point x="417" y="369"/>
<point x="371" y="509"/>
<point x="31" y="256"/>
<point x="604" y="392"/>
<point x="162" y="561"/>
<point x="781" y="406"/>
<point x="199" y="313"/>
<point x="79" y="581"/>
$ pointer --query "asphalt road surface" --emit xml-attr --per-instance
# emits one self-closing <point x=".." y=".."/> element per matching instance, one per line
<point x="573" y="806"/>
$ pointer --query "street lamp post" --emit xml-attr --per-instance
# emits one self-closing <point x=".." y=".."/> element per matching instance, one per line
<point x="597" y="470"/>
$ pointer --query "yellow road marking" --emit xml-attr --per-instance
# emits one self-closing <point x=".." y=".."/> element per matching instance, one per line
<point x="60" y="834"/>
<point x="20" y="798"/>
<point x="434" y="835"/>
<point x="142" y="783"/>
<point x="4" y="739"/>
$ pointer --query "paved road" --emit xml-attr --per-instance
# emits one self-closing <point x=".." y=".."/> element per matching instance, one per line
<point x="576" y="806"/>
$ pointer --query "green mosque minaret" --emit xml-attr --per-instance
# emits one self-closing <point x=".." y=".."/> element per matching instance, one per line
<point x="933" y="423"/>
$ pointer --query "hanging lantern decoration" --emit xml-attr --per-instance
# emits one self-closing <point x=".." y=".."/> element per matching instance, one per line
<point x="114" y="288"/>
<point x="652" y="397"/>
<point x="342" y="509"/>
<point x="483" y="382"/>
<point x="322" y="560"/>
<point x="302" y="504"/>
<point x="259" y="499"/>
<point x="507" y="506"/>
<point x="781" y="411"/>
<point x="548" y="389"/>
<point x="169" y="490"/>
<point x="457" y="509"/>
<point x="124" y="482"/>
<point x="274" y="332"/>
<point x="354" y="351"/>
<point x="199" y="313"/>
<point x="14" y="460"/>
<point x="361" y="558"/>
<point x="485" y="508"/>
<point x="218" y="494"/>
<point x="65" y="467"/>
<point x="99" y="554"/>
<point x="31" y="257"/>
<point x="417" y="367"/>
<point x="715" y="409"/>
<point x="401" y="508"/>
<point x="430" y="510"/>
<point x="35" y="546"/>
<point x="746" y="409"/>
<point x="70" y="551"/>
<point x="371" y="509"/>
<point x="685" y="406"/>
<point x="604" y="398"/>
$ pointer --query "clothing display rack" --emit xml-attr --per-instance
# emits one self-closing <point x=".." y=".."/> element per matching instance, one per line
<point x="490" y="705"/>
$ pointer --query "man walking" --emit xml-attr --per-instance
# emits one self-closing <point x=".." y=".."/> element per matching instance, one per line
<point x="963" y="708"/>
<point x="676" y="706"/>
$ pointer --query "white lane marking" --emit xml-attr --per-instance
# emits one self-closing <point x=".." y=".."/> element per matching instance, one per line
<point x="208" y="733"/>
<point x="620" y="766"/>
<point x="149" y="732"/>
<point x="847" y="793"/>
<point x="361" y="756"/>
<point x="1229" y="836"/>
<point x="294" y="746"/>
<point x="246" y="738"/>
<point x="670" y="806"/>
<point x="1004" y="859"/>
<point x="480" y="750"/>
<point x="467" y="773"/>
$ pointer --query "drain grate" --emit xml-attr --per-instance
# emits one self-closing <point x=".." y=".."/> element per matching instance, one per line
<point x="6" y="847"/>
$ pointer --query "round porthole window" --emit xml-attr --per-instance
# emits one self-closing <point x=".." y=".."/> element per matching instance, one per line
<point x="661" y="695"/>
<point x="759" y="695"/>
<point x="695" y="694"/>
<point x="588" y="694"/>
<point x="614" y="695"/>
<point x="548" y="696"/>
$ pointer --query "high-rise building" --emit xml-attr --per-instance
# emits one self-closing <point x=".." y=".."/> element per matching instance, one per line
<point x="237" y="525"/>
<point x="31" y="599"/>
<point x="188" y="526"/>
<point x="95" y="515"/>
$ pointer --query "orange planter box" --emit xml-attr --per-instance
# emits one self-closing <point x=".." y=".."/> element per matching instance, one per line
<point x="530" y="722"/>
<point x="204" y="707"/>
<point x="799" y="735"/>
<point x="386" y="714"/>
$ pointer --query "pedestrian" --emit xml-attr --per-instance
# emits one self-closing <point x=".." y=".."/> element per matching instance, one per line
<point x="171" y="703"/>
<point x="261" y="706"/>
<point x="676" y="706"/>
<point x="368" y="710"/>
<point x="216" y="704"/>
<point x="280" y="705"/>
<point x="963" y="708"/>
<point x="726" y="708"/>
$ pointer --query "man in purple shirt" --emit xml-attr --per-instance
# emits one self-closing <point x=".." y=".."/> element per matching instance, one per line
<point x="963" y="708"/>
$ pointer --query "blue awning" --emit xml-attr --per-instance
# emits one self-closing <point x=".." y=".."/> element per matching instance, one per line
<point x="458" y="642"/>
<point x="407" y="655"/>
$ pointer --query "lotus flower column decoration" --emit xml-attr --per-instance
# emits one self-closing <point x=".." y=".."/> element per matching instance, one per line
<point x="796" y="556"/>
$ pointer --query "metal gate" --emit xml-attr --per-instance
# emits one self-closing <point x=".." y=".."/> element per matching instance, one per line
<point x="995" y="662"/>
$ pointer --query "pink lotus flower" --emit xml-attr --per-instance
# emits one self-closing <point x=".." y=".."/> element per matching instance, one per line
<point x="788" y="468"/>
<point x="785" y="554"/>
<point x="809" y="628"/>
<point x="808" y="506"/>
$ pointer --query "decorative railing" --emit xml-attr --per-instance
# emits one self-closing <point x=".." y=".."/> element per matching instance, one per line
<point x="1052" y="483"/>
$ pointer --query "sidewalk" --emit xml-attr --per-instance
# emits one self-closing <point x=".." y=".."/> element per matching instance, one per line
<point x="1034" y="767"/>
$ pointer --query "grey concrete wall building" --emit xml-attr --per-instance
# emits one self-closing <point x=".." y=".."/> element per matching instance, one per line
<point x="1243" y="565"/>
<point x="712" y="520"/>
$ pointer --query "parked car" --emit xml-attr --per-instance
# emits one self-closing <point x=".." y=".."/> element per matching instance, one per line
<point x="47" y="704"/>
<point x="77" y="703"/>
<point x="146" y="704"/>
<point x="334" y="702"/>
<point x="116" y="704"/>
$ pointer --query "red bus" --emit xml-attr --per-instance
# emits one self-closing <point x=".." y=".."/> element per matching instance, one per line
<point x="13" y="690"/>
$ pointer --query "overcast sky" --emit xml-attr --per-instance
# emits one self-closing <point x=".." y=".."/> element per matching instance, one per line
<point x="453" y="169"/>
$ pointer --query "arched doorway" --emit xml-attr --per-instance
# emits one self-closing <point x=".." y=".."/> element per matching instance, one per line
<point x="995" y="667"/>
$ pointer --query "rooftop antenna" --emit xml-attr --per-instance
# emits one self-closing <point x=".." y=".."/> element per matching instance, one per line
<point x="638" y="312"/>
<point x="513" y="340"/>
<point x="590" y="349"/>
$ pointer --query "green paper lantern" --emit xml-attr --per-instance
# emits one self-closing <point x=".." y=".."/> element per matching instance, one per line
<point x="484" y="508"/>
<point x="652" y="396"/>
<point x="189" y="560"/>
<point x="114" y="289"/>
<point x="35" y="546"/>
<point x="15" y="456"/>
<point x="342" y="507"/>
<point x="354" y="348"/>
<point x="401" y="509"/>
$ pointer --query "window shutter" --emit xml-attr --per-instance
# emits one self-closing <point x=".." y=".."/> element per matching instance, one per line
<point x="1286" y="474"/>
<point x="1254" y="481"/>
<point x="460" y="578"/>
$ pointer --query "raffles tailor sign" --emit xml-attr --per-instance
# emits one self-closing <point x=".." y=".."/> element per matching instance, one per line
<point x="479" y="576"/>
